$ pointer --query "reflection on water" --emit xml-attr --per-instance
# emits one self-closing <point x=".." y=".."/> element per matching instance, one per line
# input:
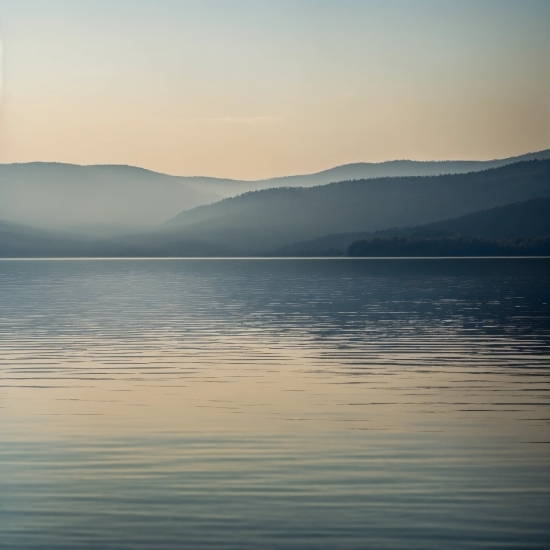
<point x="274" y="404"/>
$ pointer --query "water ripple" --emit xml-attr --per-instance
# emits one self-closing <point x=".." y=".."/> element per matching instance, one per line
<point x="275" y="404"/>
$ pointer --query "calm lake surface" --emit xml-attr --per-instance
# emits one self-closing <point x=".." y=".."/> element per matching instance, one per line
<point x="258" y="404"/>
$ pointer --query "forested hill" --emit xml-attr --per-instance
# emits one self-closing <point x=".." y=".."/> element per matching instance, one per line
<point x="457" y="245"/>
<point x="521" y="220"/>
<point x="101" y="201"/>
<point x="397" y="168"/>
<point x="526" y="219"/>
<point x="262" y="221"/>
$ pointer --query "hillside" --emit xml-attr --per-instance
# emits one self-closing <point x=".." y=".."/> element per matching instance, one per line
<point x="357" y="171"/>
<point x="457" y="245"/>
<point x="118" y="198"/>
<point x="274" y="222"/>
<point x="526" y="219"/>
<point x="110" y="200"/>
<point x="263" y="221"/>
<point x="17" y="241"/>
<point x="398" y="168"/>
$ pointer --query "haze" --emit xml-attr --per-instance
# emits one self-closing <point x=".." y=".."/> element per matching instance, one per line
<point x="260" y="89"/>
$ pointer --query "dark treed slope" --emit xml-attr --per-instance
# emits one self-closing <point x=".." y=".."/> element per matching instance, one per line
<point x="526" y="219"/>
<point x="263" y="221"/>
<point x="114" y="199"/>
<point x="457" y="245"/>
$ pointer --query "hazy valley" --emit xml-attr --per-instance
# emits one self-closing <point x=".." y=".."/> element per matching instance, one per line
<point x="119" y="211"/>
<point x="103" y="200"/>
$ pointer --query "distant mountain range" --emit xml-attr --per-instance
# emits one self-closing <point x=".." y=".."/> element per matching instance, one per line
<point x="500" y="203"/>
<point x="261" y="221"/>
<point x="392" y="169"/>
<point x="104" y="201"/>
<point x="93" y="200"/>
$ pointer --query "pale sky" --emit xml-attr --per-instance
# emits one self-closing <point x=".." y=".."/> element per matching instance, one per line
<point x="253" y="89"/>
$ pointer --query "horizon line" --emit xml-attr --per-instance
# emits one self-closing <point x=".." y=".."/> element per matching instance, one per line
<point x="140" y="258"/>
<point x="547" y="150"/>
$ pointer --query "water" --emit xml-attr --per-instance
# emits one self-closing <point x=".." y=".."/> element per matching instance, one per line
<point x="266" y="404"/>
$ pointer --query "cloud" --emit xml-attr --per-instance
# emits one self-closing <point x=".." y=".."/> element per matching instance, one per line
<point x="262" y="119"/>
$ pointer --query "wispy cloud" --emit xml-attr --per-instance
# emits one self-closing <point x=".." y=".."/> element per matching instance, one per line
<point x="262" y="119"/>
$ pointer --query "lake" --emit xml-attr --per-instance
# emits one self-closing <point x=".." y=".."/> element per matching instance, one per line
<point x="266" y="404"/>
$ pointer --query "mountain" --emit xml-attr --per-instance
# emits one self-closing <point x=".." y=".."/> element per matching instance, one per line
<point x="526" y="219"/>
<point x="263" y="221"/>
<point x="362" y="170"/>
<point x="457" y="245"/>
<point x="17" y="241"/>
<point x="93" y="199"/>
<point x="103" y="201"/>
<point x="523" y="220"/>
<point x="395" y="168"/>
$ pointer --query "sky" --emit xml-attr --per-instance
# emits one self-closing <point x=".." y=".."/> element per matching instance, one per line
<point x="255" y="89"/>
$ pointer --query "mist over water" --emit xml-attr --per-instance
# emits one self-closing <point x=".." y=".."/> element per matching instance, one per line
<point x="275" y="404"/>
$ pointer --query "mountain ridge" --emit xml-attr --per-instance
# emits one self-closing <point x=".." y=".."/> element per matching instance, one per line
<point x="540" y="155"/>
<point x="267" y="219"/>
<point x="60" y="195"/>
<point x="524" y="219"/>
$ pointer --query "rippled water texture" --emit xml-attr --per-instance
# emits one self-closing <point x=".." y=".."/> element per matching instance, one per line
<point x="257" y="404"/>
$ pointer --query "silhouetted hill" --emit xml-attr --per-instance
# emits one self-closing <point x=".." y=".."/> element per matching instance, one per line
<point x="457" y="245"/>
<point x="398" y="168"/>
<point x="363" y="170"/>
<point x="263" y="221"/>
<point x="260" y="222"/>
<point x="110" y="200"/>
<point x="93" y="198"/>
<point x="527" y="219"/>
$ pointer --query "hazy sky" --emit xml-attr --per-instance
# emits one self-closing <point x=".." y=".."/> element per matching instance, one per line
<point x="251" y="89"/>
